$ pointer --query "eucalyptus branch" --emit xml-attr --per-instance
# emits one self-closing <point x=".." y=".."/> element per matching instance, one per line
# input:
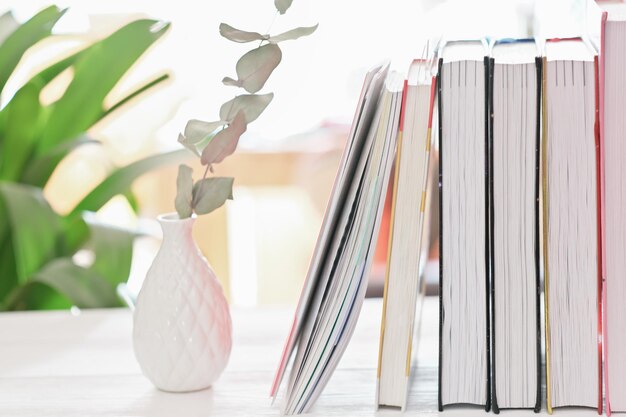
<point x="253" y="70"/>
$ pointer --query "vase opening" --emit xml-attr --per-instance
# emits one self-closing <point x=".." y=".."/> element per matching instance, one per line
<point x="173" y="217"/>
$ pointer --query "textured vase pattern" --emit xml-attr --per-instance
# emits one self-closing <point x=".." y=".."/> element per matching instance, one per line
<point x="182" y="326"/>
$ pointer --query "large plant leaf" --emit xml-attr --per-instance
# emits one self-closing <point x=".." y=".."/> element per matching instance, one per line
<point x="43" y="77"/>
<point x="240" y="36"/>
<point x="35" y="295"/>
<point x="211" y="193"/>
<point x="184" y="192"/>
<point x="198" y="134"/>
<point x="293" y="34"/>
<point x="8" y="24"/>
<point x="113" y="250"/>
<point x="96" y="72"/>
<point x="83" y="287"/>
<point x="251" y="104"/>
<point x="282" y="5"/>
<point x="131" y="198"/>
<point x="120" y="180"/>
<point x="39" y="169"/>
<point x="8" y="270"/>
<point x="225" y="142"/>
<point x="75" y="234"/>
<point x="25" y="36"/>
<point x="132" y="95"/>
<point x="21" y="126"/>
<point x="34" y="227"/>
<point x="255" y="67"/>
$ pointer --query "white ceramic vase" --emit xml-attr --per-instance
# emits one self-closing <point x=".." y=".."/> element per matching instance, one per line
<point x="182" y="326"/>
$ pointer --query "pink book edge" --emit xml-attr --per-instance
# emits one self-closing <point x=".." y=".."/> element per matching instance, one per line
<point x="604" y="339"/>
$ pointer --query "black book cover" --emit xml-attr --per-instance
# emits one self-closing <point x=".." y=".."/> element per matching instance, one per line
<point x="539" y="68"/>
<point x="487" y="228"/>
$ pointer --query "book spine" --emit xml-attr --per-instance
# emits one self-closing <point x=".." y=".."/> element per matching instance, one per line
<point x="496" y="408"/>
<point x="544" y="191"/>
<point x="599" y="226"/>
<point x="602" y="216"/>
<point x="441" y="225"/>
<point x="488" y="77"/>
<point x="539" y="71"/>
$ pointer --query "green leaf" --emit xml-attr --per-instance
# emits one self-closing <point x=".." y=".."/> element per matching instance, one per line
<point x="225" y="142"/>
<point x="240" y="36"/>
<point x="41" y="168"/>
<point x="8" y="270"/>
<point x="21" y="39"/>
<point x="96" y="72"/>
<point x="83" y="287"/>
<point x="255" y="67"/>
<point x="43" y="77"/>
<point x="8" y="24"/>
<point x="120" y="179"/>
<point x="282" y="5"/>
<point x="34" y="227"/>
<point x="75" y="233"/>
<point x="198" y="134"/>
<point x="140" y="90"/>
<point x="21" y="127"/>
<point x="113" y="250"/>
<point x="184" y="192"/>
<point x="211" y="193"/>
<point x="293" y="34"/>
<point x="131" y="198"/>
<point x="36" y="296"/>
<point x="251" y="104"/>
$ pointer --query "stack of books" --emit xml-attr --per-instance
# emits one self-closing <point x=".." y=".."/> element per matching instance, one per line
<point x="528" y="136"/>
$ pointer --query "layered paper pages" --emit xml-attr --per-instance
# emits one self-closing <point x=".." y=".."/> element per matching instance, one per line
<point x="572" y="299"/>
<point x="613" y="162"/>
<point x="514" y="204"/>
<point x="408" y="242"/>
<point x="335" y="286"/>
<point x="464" y="280"/>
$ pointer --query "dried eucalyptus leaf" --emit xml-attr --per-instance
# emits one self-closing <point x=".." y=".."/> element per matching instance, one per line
<point x="211" y="193"/>
<point x="251" y="104"/>
<point x="192" y="147"/>
<point x="197" y="130"/>
<point x="198" y="134"/>
<point x="240" y="36"/>
<point x="293" y="34"/>
<point x="230" y="81"/>
<point x="225" y="142"/>
<point x="184" y="192"/>
<point x="255" y="67"/>
<point x="282" y="5"/>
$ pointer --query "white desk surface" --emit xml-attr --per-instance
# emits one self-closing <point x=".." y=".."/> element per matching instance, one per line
<point x="60" y="364"/>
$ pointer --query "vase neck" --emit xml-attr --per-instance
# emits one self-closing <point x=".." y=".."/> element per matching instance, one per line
<point x="175" y="229"/>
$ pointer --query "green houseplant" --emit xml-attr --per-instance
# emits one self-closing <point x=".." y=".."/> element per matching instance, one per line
<point x="37" y="245"/>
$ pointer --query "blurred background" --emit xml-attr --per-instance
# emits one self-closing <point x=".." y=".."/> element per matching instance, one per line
<point x="260" y="243"/>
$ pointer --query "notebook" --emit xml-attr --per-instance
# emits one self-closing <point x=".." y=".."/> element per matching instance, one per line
<point x="335" y="286"/>
<point x="408" y="241"/>
<point x="515" y="102"/>
<point x="464" y="347"/>
<point x="571" y="225"/>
